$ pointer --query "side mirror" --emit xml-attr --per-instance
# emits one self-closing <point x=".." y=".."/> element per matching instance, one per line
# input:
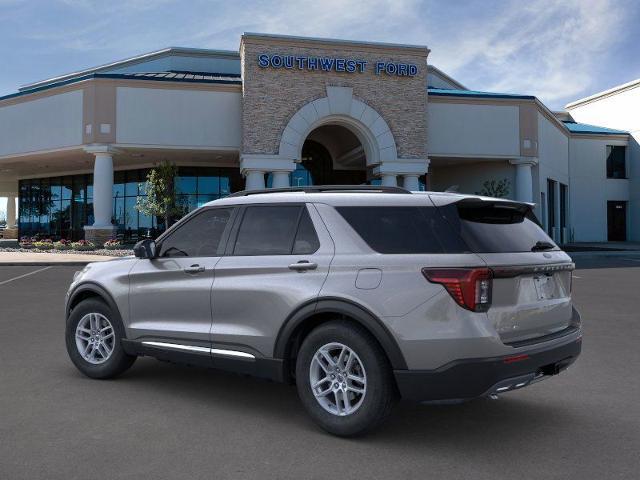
<point x="145" y="249"/>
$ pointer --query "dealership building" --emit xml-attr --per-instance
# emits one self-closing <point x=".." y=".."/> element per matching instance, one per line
<point x="281" y="111"/>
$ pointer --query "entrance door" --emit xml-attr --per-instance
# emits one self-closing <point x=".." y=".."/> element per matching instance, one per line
<point x="617" y="221"/>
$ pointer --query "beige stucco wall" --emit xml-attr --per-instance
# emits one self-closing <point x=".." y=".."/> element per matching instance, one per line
<point x="178" y="117"/>
<point x="470" y="175"/>
<point x="473" y="129"/>
<point x="272" y="96"/>
<point x="45" y="123"/>
<point x="590" y="189"/>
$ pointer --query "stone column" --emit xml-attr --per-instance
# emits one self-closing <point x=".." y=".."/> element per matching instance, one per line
<point x="102" y="228"/>
<point x="254" y="165"/>
<point x="411" y="182"/>
<point x="389" y="180"/>
<point x="11" y="232"/>
<point x="409" y="169"/>
<point x="280" y="179"/>
<point x="11" y="212"/>
<point x="524" y="178"/>
<point x="254" y="180"/>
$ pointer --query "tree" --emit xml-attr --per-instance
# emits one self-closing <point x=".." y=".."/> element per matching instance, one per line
<point x="498" y="189"/>
<point x="160" y="199"/>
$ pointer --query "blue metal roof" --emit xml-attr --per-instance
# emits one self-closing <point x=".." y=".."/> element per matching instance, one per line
<point x="575" y="127"/>
<point x="444" y="92"/>
<point x="188" y="77"/>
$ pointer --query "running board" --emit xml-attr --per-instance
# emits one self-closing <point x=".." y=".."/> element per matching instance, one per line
<point x="223" y="359"/>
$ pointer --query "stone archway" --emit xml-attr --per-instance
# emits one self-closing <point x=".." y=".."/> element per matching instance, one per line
<point x="339" y="107"/>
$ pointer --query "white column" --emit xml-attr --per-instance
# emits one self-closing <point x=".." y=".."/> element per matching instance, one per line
<point x="411" y="182"/>
<point x="254" y="180"/>
<point x="280" y="179"/>
<point x="11" y="212"/>
<point x="103" y="189"/>
<point x="389" y="180"/>
<point x="524" y="179"/>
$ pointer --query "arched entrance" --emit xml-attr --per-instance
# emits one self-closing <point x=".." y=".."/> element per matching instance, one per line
<point x="331" y="155"/>
<point x="349" y="141"/>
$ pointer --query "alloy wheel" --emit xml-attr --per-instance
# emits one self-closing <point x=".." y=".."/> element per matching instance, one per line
<point x="338" y="379"/>
<point x="95" y="338"/>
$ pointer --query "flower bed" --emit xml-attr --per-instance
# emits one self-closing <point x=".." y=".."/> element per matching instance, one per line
<point x="113" y="245"/>
<point x="53" y="251"/>
<point x="62" y="245"/>
<point x="83" y="246"/>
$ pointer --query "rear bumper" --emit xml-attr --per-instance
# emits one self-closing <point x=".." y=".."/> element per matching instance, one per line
<point x="471" y="378"/>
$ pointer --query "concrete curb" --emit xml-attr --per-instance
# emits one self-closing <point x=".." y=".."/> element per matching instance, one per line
<point x="606" y="253"/>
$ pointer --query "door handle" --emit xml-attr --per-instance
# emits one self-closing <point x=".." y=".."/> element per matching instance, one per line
<point x="303" y="265"/>
<point x="194" y="269"/>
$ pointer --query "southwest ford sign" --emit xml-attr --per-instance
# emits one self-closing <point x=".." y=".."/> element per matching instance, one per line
<point x="334" y="64"/>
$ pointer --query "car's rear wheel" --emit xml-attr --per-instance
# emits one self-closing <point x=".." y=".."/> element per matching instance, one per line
<point x="344" y="379"/>
<point x="93" y="338"/>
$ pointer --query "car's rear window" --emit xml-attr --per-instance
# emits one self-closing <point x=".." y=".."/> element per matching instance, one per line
<point x="403" y="229"/>
<point x="497" y="227"/>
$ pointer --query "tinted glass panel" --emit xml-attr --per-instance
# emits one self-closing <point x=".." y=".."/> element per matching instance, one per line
<point x="267" y="230"/>
<point x="306" y="239"/>
<point x="403" y="229"/>
<point x="199" y="237"/>
<point x="498" y="227"/>
<point x="616" y="162"/>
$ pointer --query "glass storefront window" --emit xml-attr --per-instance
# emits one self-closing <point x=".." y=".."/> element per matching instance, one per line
<point x="59" y="207"/>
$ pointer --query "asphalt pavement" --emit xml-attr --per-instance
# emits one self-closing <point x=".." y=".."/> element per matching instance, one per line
<point x="163" y="421"/>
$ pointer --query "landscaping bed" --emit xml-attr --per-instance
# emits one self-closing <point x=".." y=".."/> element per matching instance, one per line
<point x="99" y="251"/>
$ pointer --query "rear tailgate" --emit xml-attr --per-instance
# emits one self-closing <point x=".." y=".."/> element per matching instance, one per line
<point x="531" y="288"/>
<point x="531" y="295"/>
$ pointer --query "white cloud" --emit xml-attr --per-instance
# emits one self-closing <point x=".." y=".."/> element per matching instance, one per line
<point x="547" y="48"/>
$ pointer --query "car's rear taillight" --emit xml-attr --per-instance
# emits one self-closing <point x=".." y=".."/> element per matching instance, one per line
<point x="469" y="287"/>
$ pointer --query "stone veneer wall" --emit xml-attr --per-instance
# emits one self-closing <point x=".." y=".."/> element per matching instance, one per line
<point x="272" y="96"/>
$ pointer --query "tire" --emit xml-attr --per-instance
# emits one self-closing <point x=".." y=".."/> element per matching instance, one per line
<point x="96" y="365"/>
<point x="380" y="393"/>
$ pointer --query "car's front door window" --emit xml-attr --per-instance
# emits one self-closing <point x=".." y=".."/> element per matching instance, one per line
<point x="200" y="236"/>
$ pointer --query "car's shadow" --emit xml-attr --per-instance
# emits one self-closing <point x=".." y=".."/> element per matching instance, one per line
<point x="473" y="424"/>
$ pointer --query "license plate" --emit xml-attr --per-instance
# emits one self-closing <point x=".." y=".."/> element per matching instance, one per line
<point x="545" y="287"/>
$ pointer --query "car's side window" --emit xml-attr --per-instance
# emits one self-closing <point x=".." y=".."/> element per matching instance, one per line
<point x="276" y="230"/>
<point x="307" y="241"/>
<point x="200" y="236"/>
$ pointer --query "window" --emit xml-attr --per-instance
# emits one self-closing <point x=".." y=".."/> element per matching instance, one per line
<point x="306" y="239"/>
<point x="403" y="229"/>
<point x="616" y="167"/>
<point x="551" y="205"/>
<point x="500" y="227"/>
<point x="276" y="230"/>
<point x="199" y="236"/>
<point x="563" y="205"/>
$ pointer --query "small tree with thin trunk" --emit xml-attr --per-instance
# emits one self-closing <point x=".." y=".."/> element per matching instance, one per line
<point x="160" y="199"/>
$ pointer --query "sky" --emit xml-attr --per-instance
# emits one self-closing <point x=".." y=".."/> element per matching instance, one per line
<point x="557" y="50"/>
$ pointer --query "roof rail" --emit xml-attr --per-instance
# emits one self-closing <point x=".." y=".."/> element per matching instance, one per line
<point x="324" y="189"/>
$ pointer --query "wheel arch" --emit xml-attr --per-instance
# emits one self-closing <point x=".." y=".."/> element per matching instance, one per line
<point x="90" y="290"/>
<point x="315" y="313"/>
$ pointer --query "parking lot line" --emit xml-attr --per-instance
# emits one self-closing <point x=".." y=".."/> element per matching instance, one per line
<point x="25" y="275"/>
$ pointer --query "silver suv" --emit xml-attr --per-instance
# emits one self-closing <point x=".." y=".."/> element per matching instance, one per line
<point x="358" y="295"/>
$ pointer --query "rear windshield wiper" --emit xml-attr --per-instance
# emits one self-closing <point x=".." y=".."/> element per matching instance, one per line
<point x="542" y="246"/>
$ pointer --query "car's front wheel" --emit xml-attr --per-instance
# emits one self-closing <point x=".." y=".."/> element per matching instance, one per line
<point x="344" y="379"/>
<point x="93" y="337"/>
